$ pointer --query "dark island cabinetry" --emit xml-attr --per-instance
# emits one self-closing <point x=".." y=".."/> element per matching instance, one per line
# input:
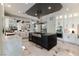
<point x="45" y="40"/>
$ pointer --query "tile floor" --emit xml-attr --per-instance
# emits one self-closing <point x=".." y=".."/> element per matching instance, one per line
<point x="12" y="45"/>
<point x="16" y="46"/>
<point x="62" y="49"/>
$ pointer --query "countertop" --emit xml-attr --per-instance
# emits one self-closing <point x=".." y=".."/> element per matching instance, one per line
<point x="39" y="34"/>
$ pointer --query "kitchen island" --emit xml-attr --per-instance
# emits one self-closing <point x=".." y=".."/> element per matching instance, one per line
<point x="45" y="40"/>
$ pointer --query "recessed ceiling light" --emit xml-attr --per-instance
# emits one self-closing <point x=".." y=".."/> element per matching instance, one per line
<point x="26" y="3"/>
<point x="23" y="47"/>
<point x="19" y="12"/>
<point x="67" y="9"/>
<point x="71" y="54"/>
<point x="8" y="5"/>
<point x="2" y="4"/>
<point x="35" y="14"/>
<point x="61" y="16"/>
<point x="75" y="14"/>
<point x="65" y="16"/>
<point x="49" y="7"/>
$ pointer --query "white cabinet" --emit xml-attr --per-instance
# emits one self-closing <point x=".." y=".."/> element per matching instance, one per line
<point x="71" y="31"/>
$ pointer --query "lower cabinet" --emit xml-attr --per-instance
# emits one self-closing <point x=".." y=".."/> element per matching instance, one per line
<point x="46" y="41"/>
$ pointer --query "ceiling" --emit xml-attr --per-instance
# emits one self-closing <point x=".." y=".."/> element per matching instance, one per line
<point x="42" y="9"/>
<point x="17" y="9"/>
<point x="23" y="7"/>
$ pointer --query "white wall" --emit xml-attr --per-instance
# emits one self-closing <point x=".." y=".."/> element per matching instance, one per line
<point x="70" y="16"/>
<point x="51" y="23"/>
<point x="1" y="28"/>
<point x="67" y="16"/>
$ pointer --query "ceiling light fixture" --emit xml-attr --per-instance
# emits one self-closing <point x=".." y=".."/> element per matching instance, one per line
<point x="26" y="3"/>
<point x="19" y="12"/>
<point x="67" y="9"/>
<point x="8" y="5"/>
<point x="61" y="17"/>
<point x="71" y="54"/>
<point x="49" y="7"/>
<point x="23" y="47"/>
<point x="75" y="14"/>
<point x="2" y="4"/>
<point x="65" y="16"/>
<point x="35" y="14"/>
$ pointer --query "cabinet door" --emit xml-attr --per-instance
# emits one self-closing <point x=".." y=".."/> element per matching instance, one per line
<point x="44" y="41"/>
<point x="77" y="40"/>
<point x="78" y="31"/>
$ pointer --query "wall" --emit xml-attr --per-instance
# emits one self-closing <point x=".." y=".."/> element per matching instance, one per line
<point x="1" y="28"/>
<point x="51" y="23"/>
<point x="68" y="18"/>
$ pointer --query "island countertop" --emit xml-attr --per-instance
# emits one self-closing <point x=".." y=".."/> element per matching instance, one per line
<point x="41" y="34"/>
